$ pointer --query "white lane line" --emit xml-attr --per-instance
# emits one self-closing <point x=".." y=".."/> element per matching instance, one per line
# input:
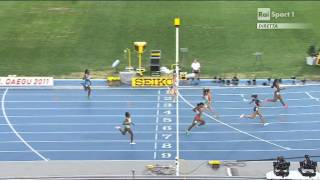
<point x="152" y="124"/>
<point x="297" y="114"/>
<point x="97" y="150"/>
<point x="74" y="94"/>
<point x="62" y="87"/>
<point x="131" y="101"/>
<point x="236" y="129"/>
<point x="312" y="97"/>
<point x="308" y="94"/>
<point x="259" y="93"/>
<point x="82" y="115"/>
<point x="148" y="150"/>
<point x="14" y="130"/>
<point x="80" y="150"/>
<point x="157" y="126"/>
<point x="247" y="87"/>
<point x="88" y="108"/>
<point x="270" y="131"/>
<point x="148" y="116"/>
<point x="87" y="101"/>
<point x="243" y="98"/>
<point x="152" y="141"/>
<point x="160" y="132"/>
<point x="148" y="108"/>
<point x="232" y="101"/>
<point x="249" y="140"/>
<point x="75" y="132"/>
<point x="249" y="150"/>
<point x="277" y="115"/>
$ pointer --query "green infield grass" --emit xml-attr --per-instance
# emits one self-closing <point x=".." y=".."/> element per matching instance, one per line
<point x="62" y="38"/>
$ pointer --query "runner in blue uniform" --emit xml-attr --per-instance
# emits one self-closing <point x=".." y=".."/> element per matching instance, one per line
<point x="87" y="82"/>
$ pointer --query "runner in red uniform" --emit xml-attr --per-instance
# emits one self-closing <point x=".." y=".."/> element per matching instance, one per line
<point x="198" y="120"/>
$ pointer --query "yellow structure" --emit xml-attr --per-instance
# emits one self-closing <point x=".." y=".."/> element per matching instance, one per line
<point x="215" y="163"/>
<point x="183" y="75"/>
<point x="177" y="22"/>
<point x="318" y="59"/>
<point x="152" y="82"/>
<point x="139" y="47"/>
<point x="113" y="78"/>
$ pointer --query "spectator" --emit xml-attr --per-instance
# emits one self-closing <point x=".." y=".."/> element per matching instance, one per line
<point x="196" y="68"/>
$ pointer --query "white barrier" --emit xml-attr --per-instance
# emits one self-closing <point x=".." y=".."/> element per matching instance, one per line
<point x="311" y="61"/>
<point x="26" y="81"/>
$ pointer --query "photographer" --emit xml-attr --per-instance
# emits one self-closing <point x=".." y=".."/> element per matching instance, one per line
<point x="196" y="69"/>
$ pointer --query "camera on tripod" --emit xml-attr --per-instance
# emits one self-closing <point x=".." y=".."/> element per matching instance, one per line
<point x="281" y="167"/>
<point x="308" y="167"/>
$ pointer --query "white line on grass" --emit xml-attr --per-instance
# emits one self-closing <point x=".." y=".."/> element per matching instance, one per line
<point x="14" y="130"/>
<point x="236" y="129"/>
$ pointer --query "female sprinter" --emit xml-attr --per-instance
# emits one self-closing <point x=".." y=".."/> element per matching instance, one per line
<point x="173" y="93"/>
<point x="197" y="121"/>
<point x="207" y="99"/>
<point x="87" y="82"/>
<point x="276" y="95"/>
<point x="207" y="96"/>
<point x="127" y="127"/>
<point x="256" y="111"/>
